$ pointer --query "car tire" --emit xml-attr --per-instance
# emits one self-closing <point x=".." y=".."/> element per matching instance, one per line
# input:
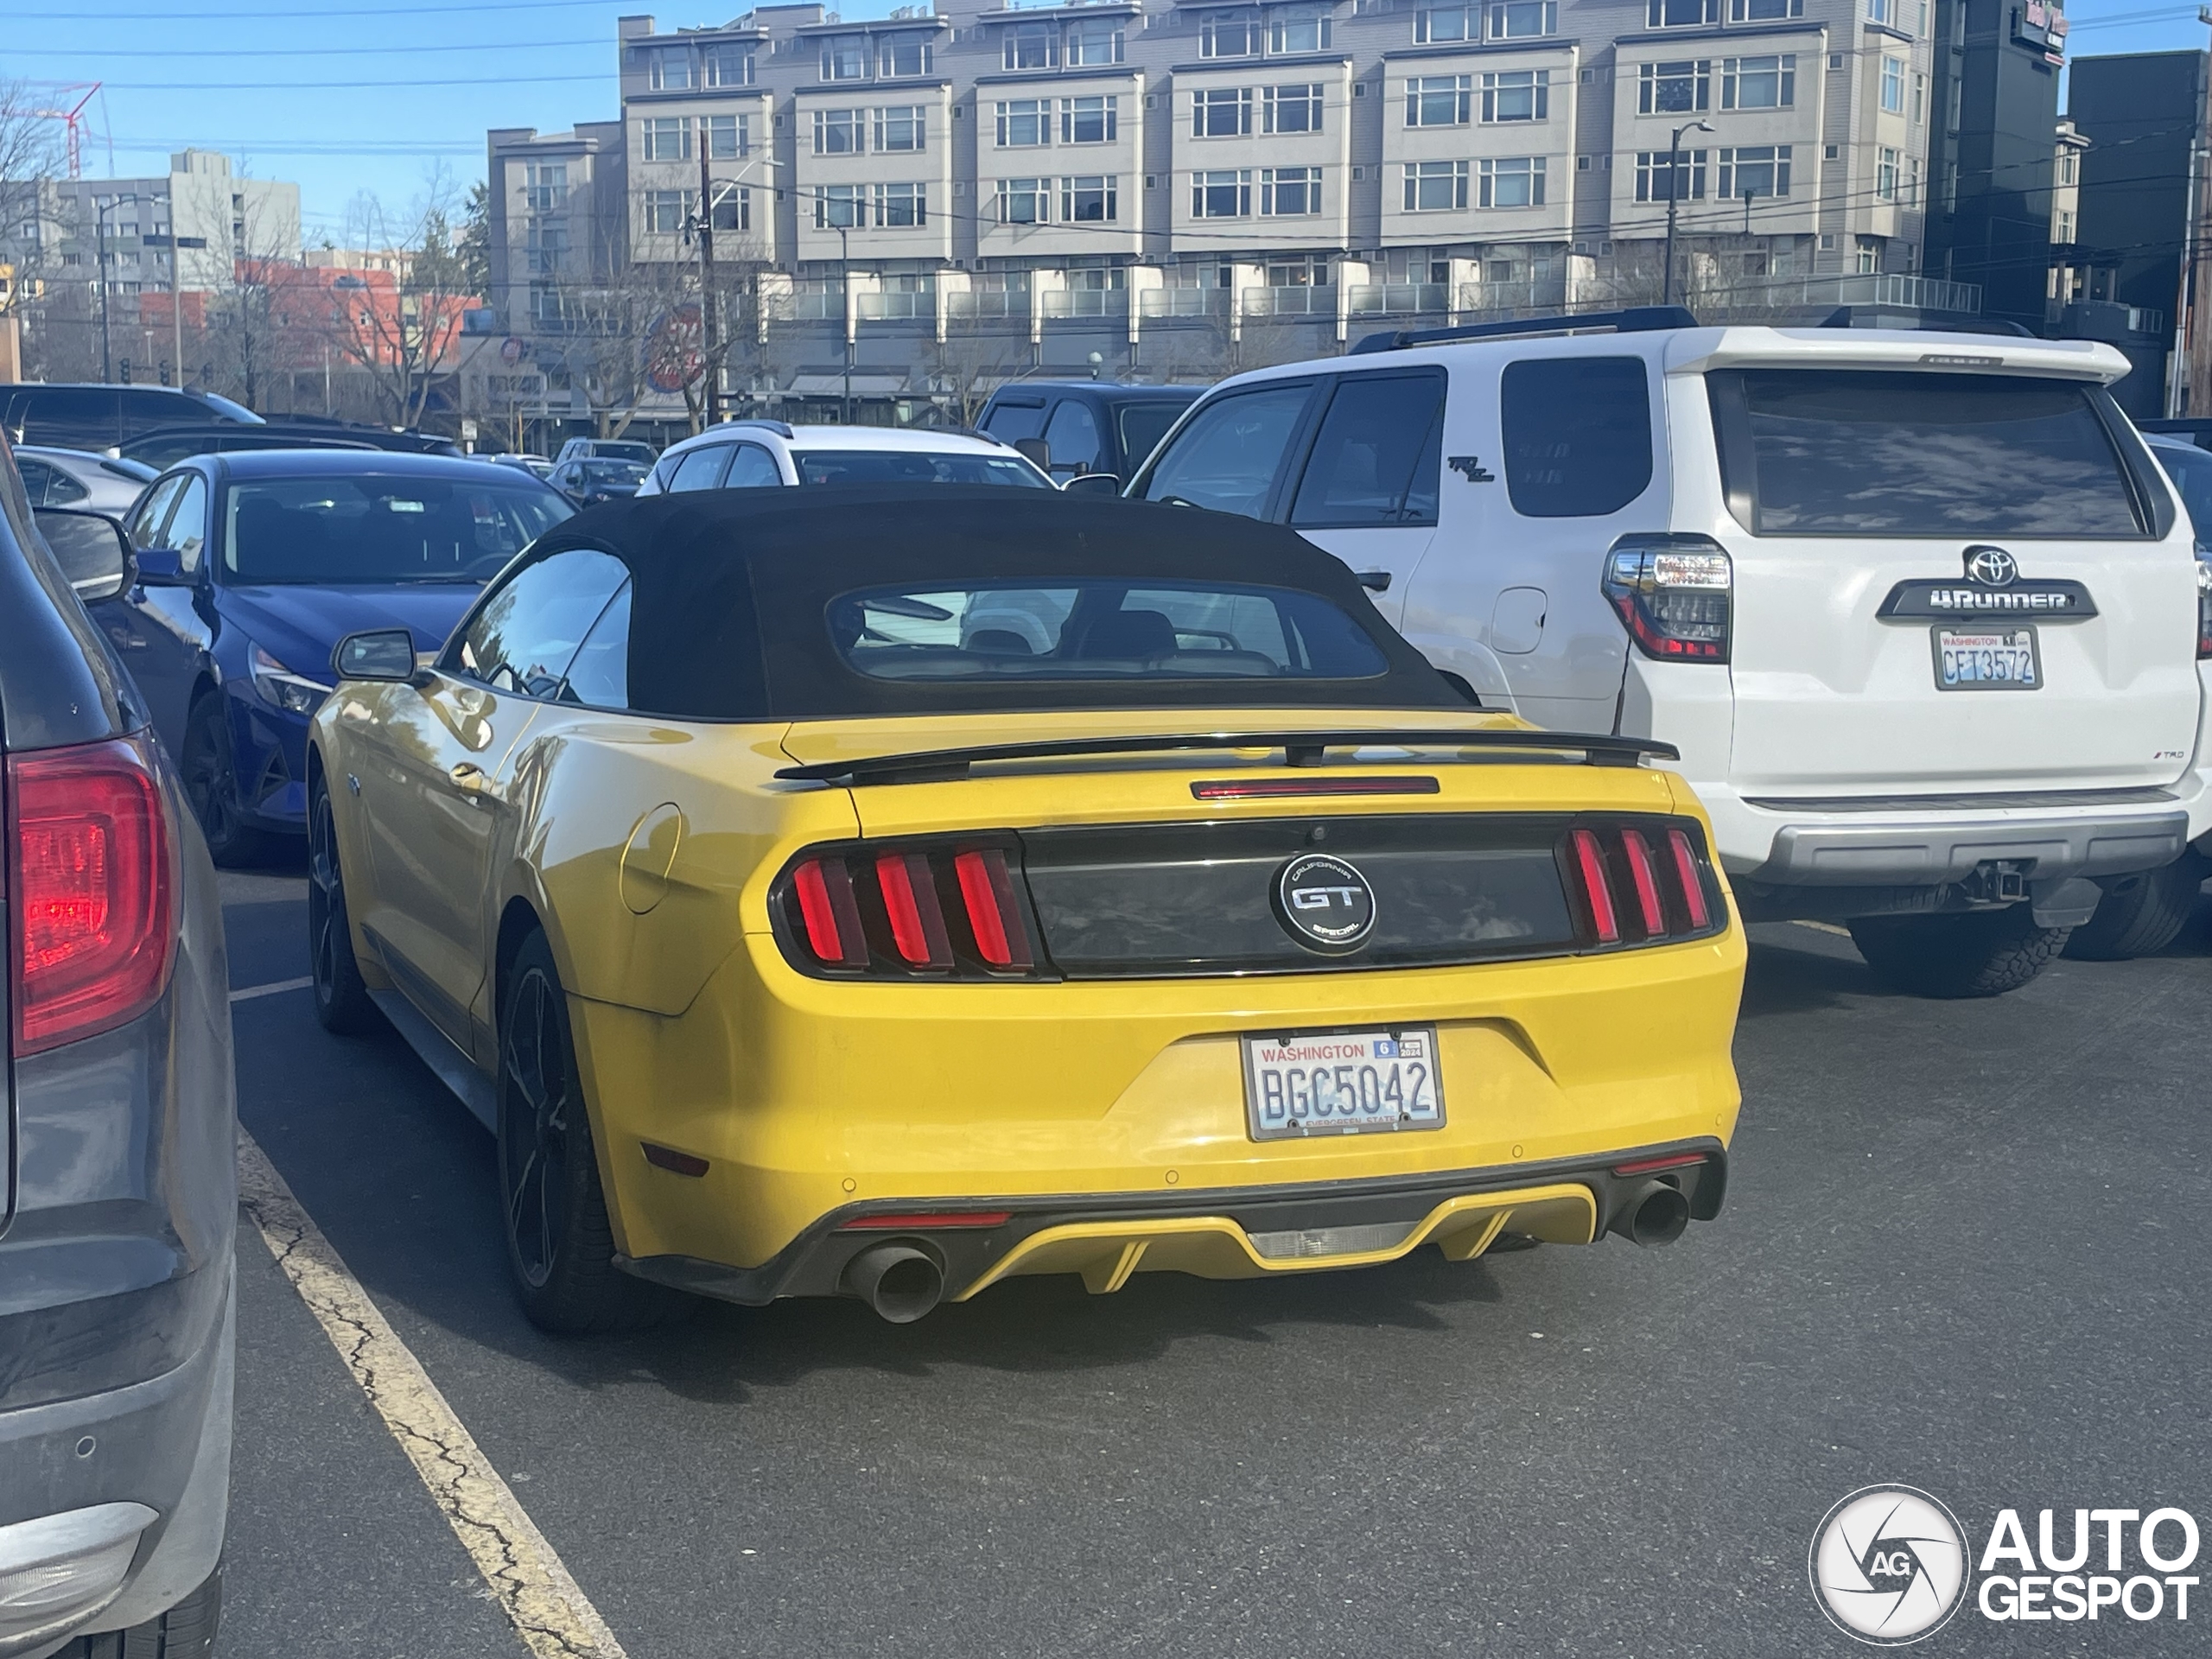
<point x="2141" y="914"/>
<point x="1974" y="953"/>
<point x="186" y="1632"/>
<point x="552" y="1209"/>
<point x="342" y="1002"/>
<point x="211" y="783"/>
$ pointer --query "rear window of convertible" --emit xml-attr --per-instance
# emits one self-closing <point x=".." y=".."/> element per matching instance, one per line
<point x="1100" y="630"/>
<point x="1884" y="452"/>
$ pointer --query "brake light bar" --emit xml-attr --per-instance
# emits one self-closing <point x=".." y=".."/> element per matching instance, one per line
<point x="926" y="1221"/>
<point x="904" y="910"/>
<point x="1650" y="1166"/>
<point x="910" y="900"/>
<point x="1589" y="859"/>
<point x="1276" y="789"/>
<point x="1688" y="876"/>
<point x="988" y="891"/>
<point x="1644" y="881"/>
<point x="825" y="890"/>
<point x="1632" y="895"/>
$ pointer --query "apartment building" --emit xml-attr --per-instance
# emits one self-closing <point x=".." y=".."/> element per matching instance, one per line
<point x="1087" y="177"/>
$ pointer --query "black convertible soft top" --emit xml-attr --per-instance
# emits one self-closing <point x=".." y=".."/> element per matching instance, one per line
<point x="732" y="592"/>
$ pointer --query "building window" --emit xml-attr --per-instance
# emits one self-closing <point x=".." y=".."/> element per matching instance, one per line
<point x="546" y="186"/>
<point x="1221" y="113"/>
<point x="1764" y="11"/>
<point x="732" y="209"/>
<point x="1094" y="40"/>
<point x="1680" y="14"/>
<point x="1513" y="20"/>
<point x="844" y="57"/>
<point x="545" y="305"/>
<point x="1090" y="199"/>
<point x="897" y="55"/>
<point x="2069" y="171"/>
<point x="838" y="132"/>
<point x="1956" y="112"/>
<point x="840" y="207"/>
<point x="1441" y="23"/>
<point x="1029" y="46"/>
<point x="1299" y="30"/>
<point x="1675" y="88"/>
<point x="1436" y="187"/>
<point x="1657" y="178"/>
<point x="1882" y="11"/>
<point x="1517" y="95"/>
<point x="1226" y="195"/>
<point x="728" y="65"/>
<point x="1025" y="201"/>
<point x="1228" y="34"/>
<point x="668" y="138"/>
<point x="1439" y="100"/>
<point x="664" y="211"/>
<point x="2062" y="231"/>
<point x="1755" y="170"/>
<point x="1090" y="120"/>
<point x="1950" y="187"/>
<point x="727" y="137"/>
<point x="899" y="127"/>
<point x="1870" y="256"/>
<point x="1893" y="84"/>
<point x="1758" y="83"/>
<point x="1289" y="192"/>
<point x="545" y="242"/>
<point x="1513" y="181"/>
<point x="1885" y="174"/>
<point x="669" y="70"/>
<point x="1025" y="123"/>
<point x="1295" y="108"/>
<point x="1919" y="99"/>
<point x="901" y="206"/>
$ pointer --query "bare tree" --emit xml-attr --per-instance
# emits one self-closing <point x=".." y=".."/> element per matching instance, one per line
<point x="400" y="326"/>
<point x="966" y="368"/>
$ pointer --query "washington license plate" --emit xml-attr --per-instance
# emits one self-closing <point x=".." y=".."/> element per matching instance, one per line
<point x="1342" y="1083"/>
<point x="1987" y="661"/>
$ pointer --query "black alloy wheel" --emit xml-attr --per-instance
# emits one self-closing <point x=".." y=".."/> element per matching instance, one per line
<point x="210" y="784"/>
<point x="341" y="999"/>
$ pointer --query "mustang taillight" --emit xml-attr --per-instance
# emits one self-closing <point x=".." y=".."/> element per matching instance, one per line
<point x="907" y="911"/>
<point x="1673" y="592"/>
<point x="91" y="884"/>
<point x="1644" y="882"/>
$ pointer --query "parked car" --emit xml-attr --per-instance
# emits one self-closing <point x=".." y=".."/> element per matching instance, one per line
<point x="1224" y="881"/>
<point x="755" y="454"/>
<point x="2192" y="429"/>
<point x="94" y="417"/>
<point x="607" y="449"/>
<point x="119" y="1194"/>
<point x="77" y="478"/>
<point x="536" y="466"/>
<point x="1087" y="427"/>
<point x="250" y="567"/>
<point x="589" y="482"/>
<point x="171" y="444"/>
<point x="1917" y="609"/>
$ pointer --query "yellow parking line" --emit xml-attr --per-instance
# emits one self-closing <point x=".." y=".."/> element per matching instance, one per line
<point x="549" y="1611"/>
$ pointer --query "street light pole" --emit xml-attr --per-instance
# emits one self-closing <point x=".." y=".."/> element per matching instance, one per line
<point x="845" y="294"/>
<point x="99" y="255"/>
<point x="711" y="332"/>
<point x="176" y="288"/>
<point x="1674" y="194"/>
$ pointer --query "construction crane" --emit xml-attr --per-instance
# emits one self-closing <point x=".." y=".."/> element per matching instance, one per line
<point x="73" y="118"/>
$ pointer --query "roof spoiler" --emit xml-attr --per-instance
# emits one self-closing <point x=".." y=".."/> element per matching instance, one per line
<point x="1636" y="320"/>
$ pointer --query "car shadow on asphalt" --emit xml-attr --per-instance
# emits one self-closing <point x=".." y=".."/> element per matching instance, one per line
<point x="1797" y="969"/>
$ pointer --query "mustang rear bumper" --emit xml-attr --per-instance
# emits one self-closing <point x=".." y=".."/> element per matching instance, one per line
<point x="1231" y="1233"/>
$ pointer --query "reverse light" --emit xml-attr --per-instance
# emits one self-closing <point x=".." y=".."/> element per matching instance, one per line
<point x="1675" y="593"/>
<point x="1640" y="883"/>
<point x="92" y="885"/>
<point x="278" y="684"/>
<point x="906" y="910"/>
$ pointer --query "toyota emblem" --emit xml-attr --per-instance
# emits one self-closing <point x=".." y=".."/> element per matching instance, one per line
<point x="1324" y="904"/>
<point x="1991" y="566"/>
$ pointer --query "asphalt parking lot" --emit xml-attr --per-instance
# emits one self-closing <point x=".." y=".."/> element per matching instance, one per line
<point x="1964" y="1249"/>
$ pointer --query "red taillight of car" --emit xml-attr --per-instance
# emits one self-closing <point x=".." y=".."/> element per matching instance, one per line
<point x="1631" y="893"/>
<point x="1653" y="1166"/>
<point x="1675" y="593"/>
<point x="2203" y="605"/>
<point x="905" y="911"/>
<point x="926" y="1221"/>
<point x="92" y="885"/>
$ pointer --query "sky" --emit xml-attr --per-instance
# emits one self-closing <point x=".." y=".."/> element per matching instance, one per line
<point x="352" y="98"/>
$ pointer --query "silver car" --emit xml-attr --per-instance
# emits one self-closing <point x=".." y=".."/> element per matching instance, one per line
<point x="77" y="478"/>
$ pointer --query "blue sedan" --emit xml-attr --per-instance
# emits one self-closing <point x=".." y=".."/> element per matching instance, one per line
<point x="251" y="567"/>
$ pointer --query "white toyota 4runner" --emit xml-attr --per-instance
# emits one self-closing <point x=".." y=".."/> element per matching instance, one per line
<point x="1921" y="612"/>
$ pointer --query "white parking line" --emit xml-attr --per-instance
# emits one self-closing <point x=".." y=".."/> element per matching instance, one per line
<point x="246" y="993"/>
<point x="1827" y="927"/>
<point x="553" y="1616"/>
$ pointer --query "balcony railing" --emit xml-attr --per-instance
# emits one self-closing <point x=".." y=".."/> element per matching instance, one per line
<point x="1085" y="302"/>
<point x="1307" y="301"/>
<point x="986" y="302"/>
<point x="1182" y="302"/>
<point x="894" y="307"/>
<point x="1399" y="299"/>
<point x="813" y="302"/>
<point x="1499" y="299"/>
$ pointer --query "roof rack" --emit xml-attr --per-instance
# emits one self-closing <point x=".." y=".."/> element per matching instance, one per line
<point x="1635" y="320"/>
<point x="781" y="429"/>
<point x="1848" y="316"/>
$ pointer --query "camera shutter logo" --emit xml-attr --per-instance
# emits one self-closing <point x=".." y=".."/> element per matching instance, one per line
<point x="1991" y="566"/>
<point x="1888" y="1565"/>
<point x="1324" y="904"/>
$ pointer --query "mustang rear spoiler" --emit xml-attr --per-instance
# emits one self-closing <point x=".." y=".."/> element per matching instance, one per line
<point x="1300" y="749"/>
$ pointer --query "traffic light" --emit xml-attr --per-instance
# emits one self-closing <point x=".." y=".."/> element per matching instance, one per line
<point x="127" y="370"/>
<point x="165" y="371"/>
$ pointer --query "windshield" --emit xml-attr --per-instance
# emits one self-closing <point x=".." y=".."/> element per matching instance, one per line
<point x="1143" y="425"/>
<point x="2191" y="471"/>
<point x="1101" y="631"/>
<point x="913" y="467"/>
<point x="614" y="449"/>
<point x="614" y="471"/>
<point x="369" y="528"/>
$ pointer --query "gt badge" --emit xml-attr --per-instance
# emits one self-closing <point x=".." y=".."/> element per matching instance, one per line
<point x="1324" y="904"/>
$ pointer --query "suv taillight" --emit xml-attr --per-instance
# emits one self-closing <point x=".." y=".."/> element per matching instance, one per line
<point x="1674" y="594"/>
<point x="907" y="910"/>
<point x="2203" y="605"/>
<point x="1642" y="881"/>
<point x="92" y="886"/>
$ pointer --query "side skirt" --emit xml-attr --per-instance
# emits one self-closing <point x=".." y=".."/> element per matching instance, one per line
<point x="438" y="1052"/>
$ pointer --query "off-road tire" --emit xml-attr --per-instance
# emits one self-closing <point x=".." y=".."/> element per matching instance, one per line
<point x="1974" y="953"/>
<point x="2141" y="914"/>
<point x="186" y="1632"/>
<point x="210" y="767"/>
<point x="342" y="1002"/>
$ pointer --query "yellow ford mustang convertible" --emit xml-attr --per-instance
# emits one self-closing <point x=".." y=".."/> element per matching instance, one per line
<point x="883" y="893"/>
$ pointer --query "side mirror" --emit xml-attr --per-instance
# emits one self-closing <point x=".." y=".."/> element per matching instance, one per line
<point x="159" y="567"/>
<point x="1093" y="484"/>
<point x="1036" y="451"/>
<point x="387" y="654"/>
<point x="90" y="548"/>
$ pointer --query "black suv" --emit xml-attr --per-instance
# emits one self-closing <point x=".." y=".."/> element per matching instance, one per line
<point x="1088" y="426"/>
<point x="87" y="417"/>
<point x="118" y="1186"/>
